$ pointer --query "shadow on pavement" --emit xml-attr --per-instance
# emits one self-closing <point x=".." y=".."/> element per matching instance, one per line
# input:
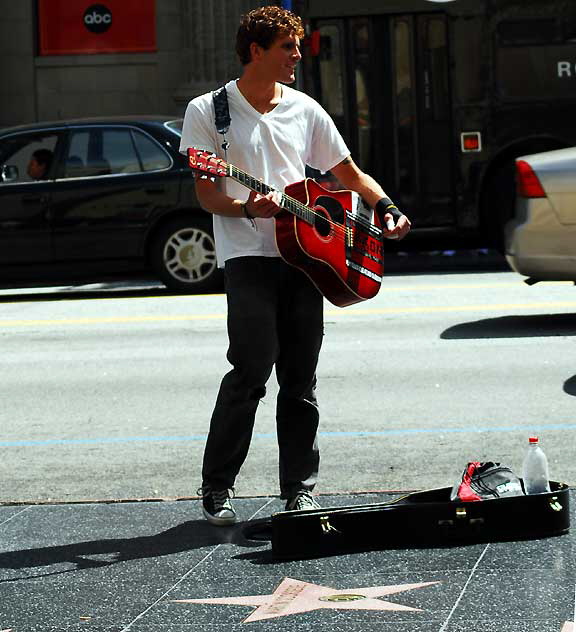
<point x="397" y="263"/>
<point x="570" y="386"/>
<point x="444" y="262"/>
<point x="185" y="537"/>
<point x="72" y="293"/>
<point x="514" y="327"/>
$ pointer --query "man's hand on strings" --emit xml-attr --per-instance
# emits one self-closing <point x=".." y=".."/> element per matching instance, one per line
<point x="266" y="206"/>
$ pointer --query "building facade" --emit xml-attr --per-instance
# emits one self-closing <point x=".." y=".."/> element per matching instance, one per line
<point x="74" y="58"/>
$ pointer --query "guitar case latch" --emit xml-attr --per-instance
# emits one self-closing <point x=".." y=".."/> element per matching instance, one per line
<point x="327" y="528"/>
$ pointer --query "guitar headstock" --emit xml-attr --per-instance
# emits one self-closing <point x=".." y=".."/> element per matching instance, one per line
<point x="206" y="162"/>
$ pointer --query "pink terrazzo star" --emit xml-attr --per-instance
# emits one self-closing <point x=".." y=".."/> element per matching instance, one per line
<point x="568" y="627"/>
<point x="293" y="596"/>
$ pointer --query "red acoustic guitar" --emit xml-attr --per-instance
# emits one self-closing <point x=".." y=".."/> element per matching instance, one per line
<point x="317" y="232"/>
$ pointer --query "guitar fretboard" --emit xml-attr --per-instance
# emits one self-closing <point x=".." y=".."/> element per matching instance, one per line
<point x="292" y="205"/>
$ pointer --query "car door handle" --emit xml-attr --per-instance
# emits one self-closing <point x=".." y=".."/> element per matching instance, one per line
<point x="35" y="199"/>
<point x="155" y="190"/>
<point x="31" y="199"/>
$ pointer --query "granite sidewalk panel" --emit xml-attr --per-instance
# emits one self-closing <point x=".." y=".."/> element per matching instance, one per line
<point x="158" y="566"/>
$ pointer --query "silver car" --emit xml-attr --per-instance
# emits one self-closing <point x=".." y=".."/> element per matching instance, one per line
<point x="541" y="237"/>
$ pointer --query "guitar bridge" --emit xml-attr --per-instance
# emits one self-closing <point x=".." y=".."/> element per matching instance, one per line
<point x="364" y="250"/>
<point x="365" y="223"/>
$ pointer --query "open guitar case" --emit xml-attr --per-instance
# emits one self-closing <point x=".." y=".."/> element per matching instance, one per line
<point x="425" y="518"/>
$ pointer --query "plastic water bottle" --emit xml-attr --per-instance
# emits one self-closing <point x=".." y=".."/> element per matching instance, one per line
<point x="535" y="469"/>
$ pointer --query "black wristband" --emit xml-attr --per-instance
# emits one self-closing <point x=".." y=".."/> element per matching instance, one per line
<point x="245" y="209"/>
<point x="385" y="205"/>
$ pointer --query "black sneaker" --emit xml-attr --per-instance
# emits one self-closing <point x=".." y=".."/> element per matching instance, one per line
<point x="302" y="500"/>
<point x="216" y="506"/>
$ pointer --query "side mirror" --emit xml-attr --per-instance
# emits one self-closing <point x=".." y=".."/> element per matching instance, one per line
<point x="9" y="173"/>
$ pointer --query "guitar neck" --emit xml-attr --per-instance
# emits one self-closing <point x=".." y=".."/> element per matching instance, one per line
<point x="290" y="204"/>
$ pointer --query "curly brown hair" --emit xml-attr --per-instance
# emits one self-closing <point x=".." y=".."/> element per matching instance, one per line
<point x="263" y="26"/>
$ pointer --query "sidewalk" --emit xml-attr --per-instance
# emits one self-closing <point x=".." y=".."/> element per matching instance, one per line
<point x="124" y="566"/>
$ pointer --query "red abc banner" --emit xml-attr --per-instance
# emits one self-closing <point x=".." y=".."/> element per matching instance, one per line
<point x="72" y="27"/>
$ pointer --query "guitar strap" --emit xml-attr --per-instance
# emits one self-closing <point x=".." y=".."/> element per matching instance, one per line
<point x="222" y="121"/>
<point x="222" y="115"/>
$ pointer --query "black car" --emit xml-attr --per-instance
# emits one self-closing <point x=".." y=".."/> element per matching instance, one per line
<point x="91" y="199"/>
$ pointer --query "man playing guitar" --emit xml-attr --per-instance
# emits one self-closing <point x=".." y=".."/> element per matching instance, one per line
<point x="275" y="311"/>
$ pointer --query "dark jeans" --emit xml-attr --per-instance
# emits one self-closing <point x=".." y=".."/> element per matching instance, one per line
<point x="275" y="317"/>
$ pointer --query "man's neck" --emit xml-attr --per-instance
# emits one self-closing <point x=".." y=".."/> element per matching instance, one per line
<point x="262" y="95"/>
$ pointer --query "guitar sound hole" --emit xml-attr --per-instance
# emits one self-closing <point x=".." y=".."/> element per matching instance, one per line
<point x="329" y="213"/>
<point x="322" y="225"/>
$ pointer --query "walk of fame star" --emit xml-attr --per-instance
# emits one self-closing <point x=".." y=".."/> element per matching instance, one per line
<point x="293" y="596"/>
<point x="569" y="627"/>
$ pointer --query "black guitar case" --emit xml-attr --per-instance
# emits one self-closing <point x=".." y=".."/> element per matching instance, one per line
<point x="424" y="518"/>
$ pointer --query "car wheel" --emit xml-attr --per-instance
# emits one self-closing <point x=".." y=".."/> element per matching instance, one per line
<point x="184" y="256"/>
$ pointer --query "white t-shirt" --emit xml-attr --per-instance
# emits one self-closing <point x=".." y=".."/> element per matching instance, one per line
<point x="274" y="147"/>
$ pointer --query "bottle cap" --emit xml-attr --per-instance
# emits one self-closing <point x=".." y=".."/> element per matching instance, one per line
<point x="533" y="440"/>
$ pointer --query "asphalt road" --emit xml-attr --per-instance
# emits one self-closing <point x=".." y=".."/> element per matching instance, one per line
<point x="106" y="392"/>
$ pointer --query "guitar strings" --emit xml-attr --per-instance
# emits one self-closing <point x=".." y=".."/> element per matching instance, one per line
<point x="338" y="230"/>
<point x="343" y="231"/>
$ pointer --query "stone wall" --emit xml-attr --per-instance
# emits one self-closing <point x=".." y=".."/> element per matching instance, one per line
<point x="17" y="70"/>
<point x="195" y="41"/>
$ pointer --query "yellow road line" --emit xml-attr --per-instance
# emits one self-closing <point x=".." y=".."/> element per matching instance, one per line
<point x="112" y="320"/>
<point x="330" y="312"/>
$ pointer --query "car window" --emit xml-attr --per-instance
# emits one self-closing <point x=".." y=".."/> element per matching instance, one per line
<point x="99" y="152"/>
<point x="75" y="161"/>
<point x="105" y="151"/>
<point x="118" y="149"/>
<point x="152" y="156"/>
<point x="27" y="157"/>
